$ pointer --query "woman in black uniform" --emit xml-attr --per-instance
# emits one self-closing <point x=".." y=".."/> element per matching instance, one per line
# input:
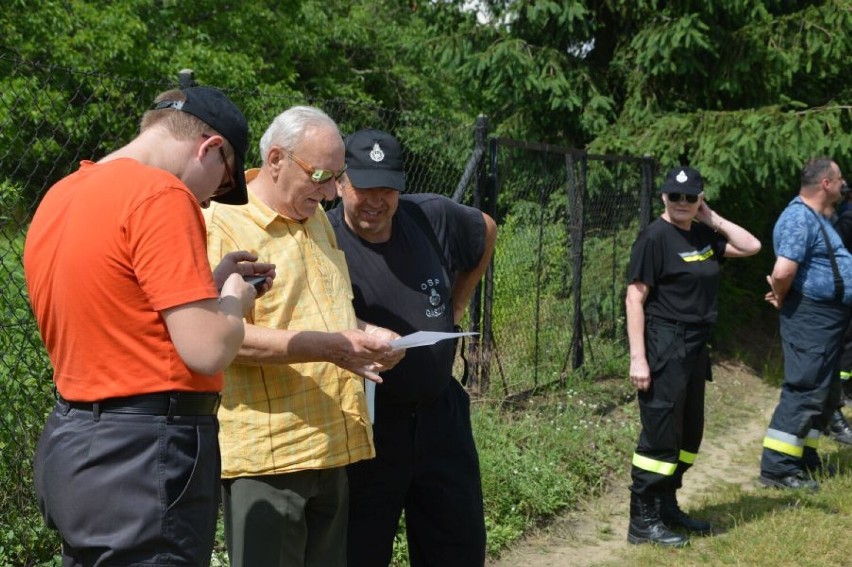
<point x="671" y="308"/>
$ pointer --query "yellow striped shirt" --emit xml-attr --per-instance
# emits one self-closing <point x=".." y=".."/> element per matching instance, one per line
<point x="286" y="418"/>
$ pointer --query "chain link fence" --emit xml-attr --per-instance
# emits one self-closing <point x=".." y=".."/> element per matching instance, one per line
<point x="551" y="301"/>
<point x="567" y="222"/>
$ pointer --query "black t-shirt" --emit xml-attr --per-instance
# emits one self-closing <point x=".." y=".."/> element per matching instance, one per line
<point x="681" y="268"/>
<point x="404" y="284"/>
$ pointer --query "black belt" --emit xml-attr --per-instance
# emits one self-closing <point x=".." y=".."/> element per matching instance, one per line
<point x="166" y="403"/>
<point x="675" y="323"/>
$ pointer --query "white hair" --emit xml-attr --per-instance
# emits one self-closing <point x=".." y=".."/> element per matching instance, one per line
<point x="289" y="127"/>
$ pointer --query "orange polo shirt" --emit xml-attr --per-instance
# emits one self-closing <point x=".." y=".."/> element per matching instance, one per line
<point x="109" y="247"/>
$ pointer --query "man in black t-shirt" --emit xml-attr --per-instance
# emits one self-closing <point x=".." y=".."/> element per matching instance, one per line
<point x="414" y="262"/>
<point x="838" y="428"/>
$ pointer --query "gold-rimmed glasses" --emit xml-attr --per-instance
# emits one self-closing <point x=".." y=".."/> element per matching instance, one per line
<point x="316" y="175"/>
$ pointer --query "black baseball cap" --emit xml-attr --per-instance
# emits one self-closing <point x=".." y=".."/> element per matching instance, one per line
<point x="212" y="107"/>
<point x="683" y="180"/>
<point x="374" y="159"/>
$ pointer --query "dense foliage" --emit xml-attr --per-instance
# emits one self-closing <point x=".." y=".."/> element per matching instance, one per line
<point x="744" y="90"/>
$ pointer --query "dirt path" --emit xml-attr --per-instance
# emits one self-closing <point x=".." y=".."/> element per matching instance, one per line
<point x="729" y="454"/>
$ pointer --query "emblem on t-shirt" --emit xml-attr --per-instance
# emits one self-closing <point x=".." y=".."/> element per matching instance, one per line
<point x="376" y="154"/>
<point x="697" y="255"/>
<point x="430" y="287"/>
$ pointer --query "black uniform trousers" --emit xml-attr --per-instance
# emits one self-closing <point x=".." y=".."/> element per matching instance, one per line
<point x="672" y="409"/>
<point x="811" y="335"/>
<point x="426" y="463"/>
<point x="845" y="367"/>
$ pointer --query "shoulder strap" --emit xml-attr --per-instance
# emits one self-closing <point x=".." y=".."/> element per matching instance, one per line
<point x="422" y="221"/>
<point x="419" y="217"/>
<point x="838" y="279"/>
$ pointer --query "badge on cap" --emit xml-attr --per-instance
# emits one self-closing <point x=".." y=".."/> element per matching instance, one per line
<point x="681" y="177"/>
<point x="377" y="154"/>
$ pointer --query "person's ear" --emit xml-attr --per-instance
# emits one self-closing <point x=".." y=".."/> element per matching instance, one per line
<point x="275" y="158"/>
<point x="210" y="143"/>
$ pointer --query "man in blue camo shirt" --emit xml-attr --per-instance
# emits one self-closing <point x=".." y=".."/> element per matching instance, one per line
<point x="811" y="286"/>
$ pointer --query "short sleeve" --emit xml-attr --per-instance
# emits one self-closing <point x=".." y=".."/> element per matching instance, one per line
<point x="717" y="241"/>
<point x="167" y="243"/>
<point x="793" y="235"/>
<point x="459" y="229"/>
<point x="646" y="260"/>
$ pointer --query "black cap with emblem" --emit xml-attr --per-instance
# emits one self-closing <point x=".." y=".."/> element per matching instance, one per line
<point x="374" y="159"/>
<point x="683" y="179"/>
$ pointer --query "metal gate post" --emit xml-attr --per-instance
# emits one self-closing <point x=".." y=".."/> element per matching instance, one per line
<point x="646" y="191"/>
<point x="576" y="195"/>
<point x="480" y="198"/>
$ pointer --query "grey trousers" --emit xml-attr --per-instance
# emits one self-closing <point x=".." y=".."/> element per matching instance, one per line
<point x="125" y="489"/>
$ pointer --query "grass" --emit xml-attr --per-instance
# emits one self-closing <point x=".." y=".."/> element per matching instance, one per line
<point x="541" y="456"/>
<point x="769" y="527"/>
<point x="559" y="450"/>
<point x="754" y="526"/>
<point x="760" y="526"/>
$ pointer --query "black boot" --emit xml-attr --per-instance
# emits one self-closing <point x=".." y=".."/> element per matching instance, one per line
<point x="838" y="428"/>
<point x="646" y="525"/>
<point x="674" y="517"/>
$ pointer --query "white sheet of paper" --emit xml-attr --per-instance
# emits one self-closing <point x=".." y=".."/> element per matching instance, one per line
<point x="420" y="338"/>
<point x="370" y="392"/>
<point x="424" y="338"/>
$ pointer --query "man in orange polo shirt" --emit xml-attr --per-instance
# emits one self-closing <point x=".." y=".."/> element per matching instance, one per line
<point x="127" y="467"/>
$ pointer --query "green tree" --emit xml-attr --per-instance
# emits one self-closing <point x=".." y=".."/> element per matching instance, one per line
<point x="357" y="53"/>
<point x="704" y="82"/>
<point x="744" y="90"/>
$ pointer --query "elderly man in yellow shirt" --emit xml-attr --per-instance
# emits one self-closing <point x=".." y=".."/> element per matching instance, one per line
<point x="293" y="411"/>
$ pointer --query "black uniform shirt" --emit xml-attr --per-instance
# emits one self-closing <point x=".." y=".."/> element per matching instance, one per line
<point x="404" y="284"/>
<point x="681" y="267"/>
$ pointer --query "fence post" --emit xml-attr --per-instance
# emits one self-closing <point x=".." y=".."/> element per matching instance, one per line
<point x="487" y="337"/>
<point x="480" y="198"/>
<point x="487" y="316"/>
<point x="474" y="163"/>
<point x="576" y="195"/>
<point x="645" y="191"/>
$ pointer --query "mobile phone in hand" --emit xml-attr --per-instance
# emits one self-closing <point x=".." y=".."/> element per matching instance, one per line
<point x="256" y="281"/>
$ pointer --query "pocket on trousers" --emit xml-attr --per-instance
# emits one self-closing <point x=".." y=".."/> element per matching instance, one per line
<point x="463" y="397"/>
<point x="657" y="424"/>
<point x="704" y="366"/>
<point x="180" y="457"/>
<point x="804" y="364"/>
<point x="662" y="344"/>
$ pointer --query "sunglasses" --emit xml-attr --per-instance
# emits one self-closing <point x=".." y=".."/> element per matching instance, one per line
<point x="317" y="175"/>
<point x="676" y="197"/>
<point x="231" y="182"/>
